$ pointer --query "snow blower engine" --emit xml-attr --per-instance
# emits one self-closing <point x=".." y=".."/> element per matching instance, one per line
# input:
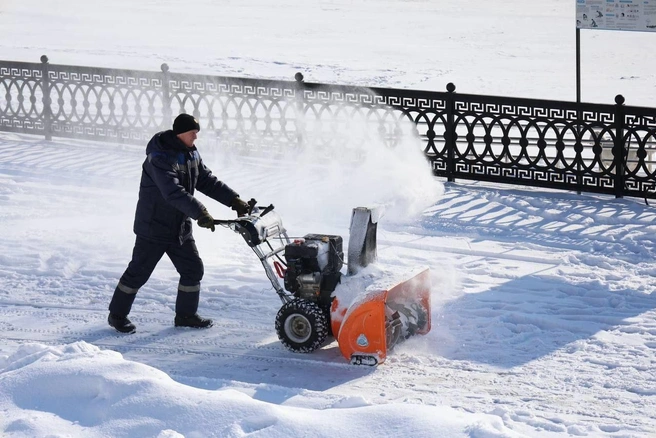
<point x="310" y="269"/>
<point x="314" y="265"/>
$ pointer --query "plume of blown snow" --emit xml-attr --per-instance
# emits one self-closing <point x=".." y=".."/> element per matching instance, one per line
<point x="346" y="161"/>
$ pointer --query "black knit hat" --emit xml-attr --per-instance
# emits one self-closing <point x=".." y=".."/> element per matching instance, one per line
<point x="184" y="123"/>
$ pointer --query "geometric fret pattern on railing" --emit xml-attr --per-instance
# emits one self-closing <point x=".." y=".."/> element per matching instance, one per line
<point x="21" y="98"/>
<point x="551" y="144"/>
<point x="563" y="145"/>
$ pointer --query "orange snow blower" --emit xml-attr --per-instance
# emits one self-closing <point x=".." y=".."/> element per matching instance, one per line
<point x="368" y="310"/>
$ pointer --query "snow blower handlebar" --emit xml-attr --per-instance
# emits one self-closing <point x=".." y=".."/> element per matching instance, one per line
<point x="260" y="228"/>
<point x="253" y="213"/>
<point x="255" y="228"/>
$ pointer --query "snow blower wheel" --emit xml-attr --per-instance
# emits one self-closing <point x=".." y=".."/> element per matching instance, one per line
<point x="302" y="326"/>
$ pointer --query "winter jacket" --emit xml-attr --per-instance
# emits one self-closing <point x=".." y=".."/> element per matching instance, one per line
<point x="171" y="173"/>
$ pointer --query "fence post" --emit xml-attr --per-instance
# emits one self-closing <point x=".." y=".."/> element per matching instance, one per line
<point x="578" y="148"/>
<point x="47" y="101"/>
<point x="166" y="97"/>
<point x="619" y="148"/>
<point x="450" y="135"/>
<point x="300" y="110"/>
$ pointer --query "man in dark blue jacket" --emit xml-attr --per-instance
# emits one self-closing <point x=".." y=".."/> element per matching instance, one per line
<point x="172" y="172"/>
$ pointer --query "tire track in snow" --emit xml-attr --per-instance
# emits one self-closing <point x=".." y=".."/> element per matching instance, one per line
<point x="52" y="312"/>
<point x="203" y="350"/>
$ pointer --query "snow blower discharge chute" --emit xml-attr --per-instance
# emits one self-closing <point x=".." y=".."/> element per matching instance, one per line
<point x="366" y="312"/>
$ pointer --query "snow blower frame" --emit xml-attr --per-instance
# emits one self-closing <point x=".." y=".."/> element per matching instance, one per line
<point x="310" y="267"/>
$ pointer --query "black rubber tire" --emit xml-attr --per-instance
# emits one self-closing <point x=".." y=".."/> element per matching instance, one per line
<point x="326" y="311"/>
<point x="302" y="326"/>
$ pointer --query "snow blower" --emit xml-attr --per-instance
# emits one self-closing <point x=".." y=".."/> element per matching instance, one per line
<point x="368" y="310"/>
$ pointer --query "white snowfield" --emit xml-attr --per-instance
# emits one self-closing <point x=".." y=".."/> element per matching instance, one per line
<point x="543" y="311"/>
<point x="495" y="47"/>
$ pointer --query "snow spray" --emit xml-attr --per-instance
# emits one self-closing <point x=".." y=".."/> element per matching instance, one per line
<point x="342" y="160"/>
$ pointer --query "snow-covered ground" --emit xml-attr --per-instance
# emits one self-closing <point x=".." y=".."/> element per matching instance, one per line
<point x="543" y="302"/>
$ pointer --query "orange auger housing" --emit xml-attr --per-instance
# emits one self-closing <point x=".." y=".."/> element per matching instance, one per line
<point x="367" y="320"/>
<point x="368" y="328"/>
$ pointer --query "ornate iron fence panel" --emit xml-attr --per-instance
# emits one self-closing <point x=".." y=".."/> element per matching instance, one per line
<point x="584" y="147"/>
<point x="22" y="98"/>
<point x="246" y="115"/>
<point x="640" y="151"/>
<point x="428" y="113"/>
<point x="533" y="142"/>
<point x="105" y="104"/>
<point x="344" y="121"/>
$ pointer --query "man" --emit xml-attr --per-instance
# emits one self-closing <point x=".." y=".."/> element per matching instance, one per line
<point x="171" y="173"/>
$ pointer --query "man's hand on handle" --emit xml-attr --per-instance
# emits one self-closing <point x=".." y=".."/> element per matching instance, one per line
<point x="240" y="206"/>
<point x="206" y="220"/>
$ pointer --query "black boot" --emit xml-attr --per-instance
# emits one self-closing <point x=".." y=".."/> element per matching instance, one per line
<point x="121" y="323"/>
<point x="193" y="321"/>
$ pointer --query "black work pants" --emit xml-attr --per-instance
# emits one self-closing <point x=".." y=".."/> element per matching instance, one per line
<point x="145" y="256"/>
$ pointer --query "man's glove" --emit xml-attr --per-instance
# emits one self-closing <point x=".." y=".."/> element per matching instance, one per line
<point x="240" y="206"/>
<point x="206" y="220"/>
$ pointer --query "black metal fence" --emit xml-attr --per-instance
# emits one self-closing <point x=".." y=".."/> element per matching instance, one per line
<point x="554" y="144"/>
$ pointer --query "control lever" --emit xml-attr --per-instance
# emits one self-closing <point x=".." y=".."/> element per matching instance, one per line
<point x="266" y="210"/>
<point x="251" y="206"/>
